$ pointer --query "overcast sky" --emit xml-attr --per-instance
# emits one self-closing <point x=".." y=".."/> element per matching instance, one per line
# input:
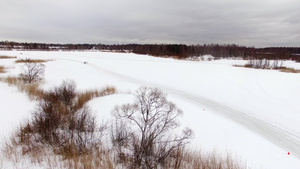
<point x="258" y="23"/>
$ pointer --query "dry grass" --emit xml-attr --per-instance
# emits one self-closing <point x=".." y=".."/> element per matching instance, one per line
<point x="289" y="70"/>
<point x="10" y="80"/>
<point x="98" y="159"/>
<point x="2" y="69"/>
<point x="28" y="60"/>
<point x="199" y="160"/>
<point x="45" y="158"/>
<point x="34" y="92"/>
<point x="31" y="89"/>
<point x="88" y="95"/>
<point x="103" y="158"/>
<point x="8" y="57"/>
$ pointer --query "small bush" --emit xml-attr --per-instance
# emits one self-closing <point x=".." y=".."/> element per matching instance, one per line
<point x="264" y="64"/>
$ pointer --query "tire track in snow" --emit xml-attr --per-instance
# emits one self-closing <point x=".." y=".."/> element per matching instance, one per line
<point x="274" y="134"/>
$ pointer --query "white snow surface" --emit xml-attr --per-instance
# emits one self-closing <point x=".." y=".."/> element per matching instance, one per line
<point x="250" y="113"/>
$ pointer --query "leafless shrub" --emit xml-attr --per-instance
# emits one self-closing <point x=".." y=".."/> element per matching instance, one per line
<point x="277" y="64"/>
<point x="151" y="118"/>
<point x="267" y="64"/>
<point x="32" y="72"/>
<point x="120" y="140"/>
<point x="264" y="64"/>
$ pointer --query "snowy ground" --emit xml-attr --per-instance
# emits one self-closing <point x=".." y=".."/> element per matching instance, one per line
<point x="253" y="114"/>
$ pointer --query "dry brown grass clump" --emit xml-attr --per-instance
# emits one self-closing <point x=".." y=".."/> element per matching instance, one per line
<point x="28" y="60"/>
<point x="10" y="80"/>
<point x="8" y="57"/>
<point x="211" y="160"/>
<point x="45" y="158"/>
<point x="289" y="70"/>
<point x="31" y="89"/>
<point x="88" y="95"/>
<point x="2" y="69"/>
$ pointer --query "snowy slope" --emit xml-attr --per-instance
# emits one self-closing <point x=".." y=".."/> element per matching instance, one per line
<point x="251" y="113"/>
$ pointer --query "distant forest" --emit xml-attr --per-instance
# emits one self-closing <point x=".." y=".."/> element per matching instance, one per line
<point x="179" y="51"/>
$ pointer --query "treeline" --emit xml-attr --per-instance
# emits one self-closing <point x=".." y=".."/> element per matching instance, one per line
<point x="179" y="51"/>
<point x="182" y="51"/>
<point x="9" y="45"/>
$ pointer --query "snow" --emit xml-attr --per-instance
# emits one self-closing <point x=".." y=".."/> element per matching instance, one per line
<point x="15" y="108"/>
<point x="251" y="113"/>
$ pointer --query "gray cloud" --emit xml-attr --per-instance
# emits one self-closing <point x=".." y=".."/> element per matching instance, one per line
<point x="249" y="22"/>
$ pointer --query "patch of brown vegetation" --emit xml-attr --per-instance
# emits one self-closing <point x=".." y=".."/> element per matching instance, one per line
<point x="88" y="95"/>
<point x="32" y="89"/>
<point x="289" y="70"/>
<point x="28" y="60"/>
<point x="2" y="69"/>
<point x="8" y="57"/>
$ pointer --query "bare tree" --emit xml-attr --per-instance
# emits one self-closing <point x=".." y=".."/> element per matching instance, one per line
<point x="150" y="120"/>
<point x="32" y="71"/>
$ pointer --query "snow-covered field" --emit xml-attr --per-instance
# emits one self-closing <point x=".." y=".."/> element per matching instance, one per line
<point x="250" y="113"/>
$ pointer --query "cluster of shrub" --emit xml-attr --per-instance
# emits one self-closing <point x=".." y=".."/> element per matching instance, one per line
<point x="264" y="64"/>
